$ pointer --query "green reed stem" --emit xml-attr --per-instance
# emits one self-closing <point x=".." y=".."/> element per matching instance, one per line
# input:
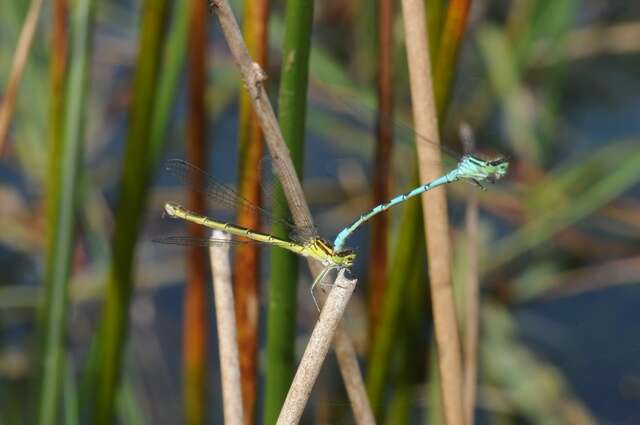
<point x="281" y="320"/>
<point x="132" y="200"/>
<point x="64" y="170"/>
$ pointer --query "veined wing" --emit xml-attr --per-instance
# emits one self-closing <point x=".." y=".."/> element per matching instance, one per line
<point x="366" y="114"/>
<point x="221" y="193"/>
<point x="184" y="240"/>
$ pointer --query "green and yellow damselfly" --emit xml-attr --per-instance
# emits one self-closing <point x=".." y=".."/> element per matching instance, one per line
<point x="306" y="243"/>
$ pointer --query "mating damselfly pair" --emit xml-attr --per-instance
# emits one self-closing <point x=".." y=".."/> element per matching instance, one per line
<point x="333" y="256"/>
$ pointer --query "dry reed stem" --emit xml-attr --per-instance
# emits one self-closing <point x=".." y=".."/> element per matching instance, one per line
<point x="226" y="324"/>
<point x="472" y="326"/>
<point x="19" y="62"/>
<point x="435" y="213"/>
<point x="283" y="167"/>
<point x="316" y="350"/>
<point x="348" y="362"/>
<point x="253" y="76"/>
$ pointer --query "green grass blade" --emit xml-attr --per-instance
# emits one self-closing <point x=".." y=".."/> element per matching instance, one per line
<point x="129" y="411"/>
<point x="174" y="57"/>
<point x="504" y="73"/>
<point x="64" y="175"/>
<point x="452" y="35"/>
<point x="71" y="408"/>
<point x="406" y="259"/>
<point x="411" y="348"/>
<point x="132" y="200"/>
<point x="281" y="320"/>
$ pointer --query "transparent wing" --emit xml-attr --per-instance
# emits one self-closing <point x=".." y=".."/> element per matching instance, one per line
<point x="365" y="113"/>
<point x="184" y="240"/>
<point x="217" y="191"/>
<point x="303" y="234"/>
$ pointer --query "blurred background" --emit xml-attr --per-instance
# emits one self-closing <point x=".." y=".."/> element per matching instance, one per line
<point x="97" y="323"/>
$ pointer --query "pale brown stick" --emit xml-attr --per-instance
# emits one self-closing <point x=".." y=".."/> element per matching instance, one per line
<point x="19" y="62"/>
<point x="253" y="76"/>
<point x="316" y="350"/>
<point x="471" y="327"/>
<point x="349" y="368"/>
<point x="348" y="362"/>
<point x="226" y="324"/>
<point x="283" y="167"/>
<point x="435" y="213"/>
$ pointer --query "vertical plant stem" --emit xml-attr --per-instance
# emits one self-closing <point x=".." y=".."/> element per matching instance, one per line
<point x="384" y="133"/>
<point x="174" y="57"/>
<point x="281" y="320"/>
<point x="472" y="309"/>
<point x="444" y="67"/>
<point x="64" y="175"/>
<point x="386" y="339"/>
<point x="247" y="265"/>
<point x="132" y="200"/>
<point x="435" y="212"/>
<point x="350" y="369"/>
<point x="71" y="408"/>
<point x="435" y="22"/>
<point x="378" y="369"/>
<point x="59" y="49"/>
<point x="410" y="350"/>
<point x="19" y="61"/>
<point x="225" y="319"/>
<point x="195" y="324"/>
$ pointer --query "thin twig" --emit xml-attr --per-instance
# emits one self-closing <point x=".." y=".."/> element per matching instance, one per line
<point x="226" y="321"/>
<point x="471" y="327"/>
<point x="435" y="213"/>
<point x="283" y="167"/>
<point x="19" y="62"/>
<point x="253" y="76"/>
<point x="316" y="350"/>
<point x="348" y="362"/>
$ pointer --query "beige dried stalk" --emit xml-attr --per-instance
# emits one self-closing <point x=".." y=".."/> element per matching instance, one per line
<point x="226" y="323"/>
<point x="435" y="212"/>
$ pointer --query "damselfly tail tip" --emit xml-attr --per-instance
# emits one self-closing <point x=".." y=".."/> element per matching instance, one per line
<point x="171" y="209"/>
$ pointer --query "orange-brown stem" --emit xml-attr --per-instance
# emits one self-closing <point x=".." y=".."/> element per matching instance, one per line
<point x="247" y="266"/>
<point x="384" y="132"/>
<point x="195" y="302"/>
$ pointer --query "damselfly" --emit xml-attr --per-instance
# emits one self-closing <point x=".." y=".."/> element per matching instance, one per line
<point x="306" y="243"/>
<point x="469" y="167"/>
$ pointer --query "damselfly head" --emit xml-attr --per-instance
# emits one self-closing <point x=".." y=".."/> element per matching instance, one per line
<point x="346" y="257"/>
<point x="499" y="168"/>
<point x="477" y="169"/>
